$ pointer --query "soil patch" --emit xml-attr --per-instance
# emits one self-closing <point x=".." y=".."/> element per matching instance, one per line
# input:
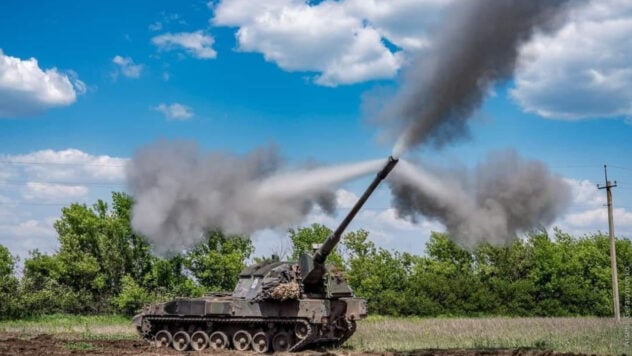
<point x="55" y="345"/>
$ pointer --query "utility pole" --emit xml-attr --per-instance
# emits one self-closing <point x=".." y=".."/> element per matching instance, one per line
<point x="613" y="252"/>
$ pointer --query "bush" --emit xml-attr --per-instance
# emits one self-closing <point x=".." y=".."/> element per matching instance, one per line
<point x="132" y="297"/>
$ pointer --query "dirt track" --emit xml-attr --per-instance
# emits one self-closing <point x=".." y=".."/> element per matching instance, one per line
<point x="49" y="345"/>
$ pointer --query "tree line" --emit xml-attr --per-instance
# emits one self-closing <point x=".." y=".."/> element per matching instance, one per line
<point x="102" y="266"/>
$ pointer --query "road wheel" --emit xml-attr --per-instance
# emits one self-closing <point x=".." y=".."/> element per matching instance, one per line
<point x="260" y="342"/>
<point x="241" y="340"/>
<point x="281" y="342"/>
<point x="163" y="338"/>
<point x="145" y="328"/>
<point x="199" y="340"/>
<point x="218" y="340"/>
<point x="181" y="340"/>
<point x="300" y="331"/>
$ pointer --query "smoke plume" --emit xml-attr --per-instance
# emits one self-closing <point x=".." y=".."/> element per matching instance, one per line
<point x="180" y="192"/>
<point x="476" y="46"/>
<point x="503" y="196"/>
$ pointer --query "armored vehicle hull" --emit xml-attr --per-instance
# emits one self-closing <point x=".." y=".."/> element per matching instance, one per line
<point x="222" y="322"/>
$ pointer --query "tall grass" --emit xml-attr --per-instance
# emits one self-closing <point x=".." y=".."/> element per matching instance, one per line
<point x="382" y="334"/>
<point x="76" y="326"/>
<point x="578" y="335"/>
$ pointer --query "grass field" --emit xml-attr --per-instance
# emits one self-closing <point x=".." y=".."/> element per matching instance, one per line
<point x="378" y="334"/>
<point x="73" y="327"/>
<point x="577" y="335"/>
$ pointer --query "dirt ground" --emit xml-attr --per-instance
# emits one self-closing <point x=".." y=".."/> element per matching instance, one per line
<point x="49" y="345"/>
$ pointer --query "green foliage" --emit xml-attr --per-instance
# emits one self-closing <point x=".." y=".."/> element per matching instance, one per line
<point x="266" y="259"/>
<point x="101" y="266"/>
<point x="304" y="237"/>
<point x="132" y="296"/>
<point x="98" y="248"/>
<point x="42" y="288"/>
<point x="375" y="272"/>
<point x="571" y="276"/>
<point x="49" y="298"/>
<point x="7" y="262"/>
<point x="8" y="284"/>
<point x="536" y="276"/>
<point x="79" y="346"/>
<point x="216" y="263"/>
<point x="167" y="279"/>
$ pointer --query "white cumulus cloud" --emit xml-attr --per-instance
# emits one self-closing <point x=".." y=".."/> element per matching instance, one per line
<point x="39" y="183"/>
<point x="585" y="193"/>
<point x="43" y="191"/>
<point x="26" y="89"/>
<point x="405" y="23"/>
<point x="583" y="70"/>
<point x="175" y="111"/>
<point x="588" y="213"/>
<point x="22" y="236"/>
<point x="333" y="38"/>
<point x="345" y="199"/>
<point x="197" y="44"/>
<point x="593" y="220"/>
<point x="127" y="67"/>
<point x="68" y="165"/>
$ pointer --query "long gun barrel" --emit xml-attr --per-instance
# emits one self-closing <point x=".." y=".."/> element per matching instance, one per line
<point x="316" y="272"/>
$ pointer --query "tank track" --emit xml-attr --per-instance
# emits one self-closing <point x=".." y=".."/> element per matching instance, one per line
<point x="312" y="330"/>
<point x="351" y="328"/>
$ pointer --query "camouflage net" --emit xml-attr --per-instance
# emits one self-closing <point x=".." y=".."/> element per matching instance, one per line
<point x="285" y="291"/>
<point x="281" y="284"/>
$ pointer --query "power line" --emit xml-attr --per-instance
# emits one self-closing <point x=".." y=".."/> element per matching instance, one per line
<point x="60" y="163"/>
<point x="587" y="166"/>
<point x="619" y="167"/>
<point x="36" y="204"/>
<point x="24" y="182"/>
<point x="575" y="166"/>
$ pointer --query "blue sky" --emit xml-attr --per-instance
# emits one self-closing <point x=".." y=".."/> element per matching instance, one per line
<point x="234" y="75"/>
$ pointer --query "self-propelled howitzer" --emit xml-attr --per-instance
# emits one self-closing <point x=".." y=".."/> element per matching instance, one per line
<point x="280" y="306"/>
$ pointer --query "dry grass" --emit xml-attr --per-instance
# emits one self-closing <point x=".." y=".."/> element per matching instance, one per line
<point x="579" y="335"/>
<point x="379" y="334"/>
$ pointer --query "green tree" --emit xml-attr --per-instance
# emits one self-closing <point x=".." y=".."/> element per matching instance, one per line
<point x="217" y="262"/>
<point x="132" y="296"/>
<point x="549" y="273"/>
<point x="102" y="266"/>
<point x="8" y="284"/>
<point x="624" y="267"/>
<point x="446" y="280"/>
<point x="7" y="262"/>
<point x="41" y="289"/>
<point x="376" y="274"/>
<point x="97" y="249"/>
<point x="99" y="244"/>
<point x="504" y="271"/>
<point x="304" y="237"/>
<point x="442" y="249"/>
<point x="167" y="279"/>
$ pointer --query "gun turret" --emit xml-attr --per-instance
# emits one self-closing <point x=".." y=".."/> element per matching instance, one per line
<point x="313" y="268"/>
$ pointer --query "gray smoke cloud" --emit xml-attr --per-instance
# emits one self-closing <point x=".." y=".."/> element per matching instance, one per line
<point x="477" y="45"/>
<point x="180" y="192"/>
<point x="501" y="197"/>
